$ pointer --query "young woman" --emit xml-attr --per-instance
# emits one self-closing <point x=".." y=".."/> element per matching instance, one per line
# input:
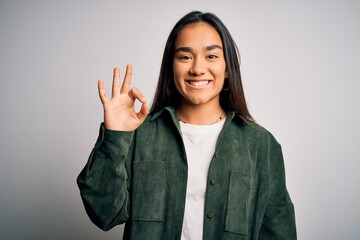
<point x="196" y="166"/>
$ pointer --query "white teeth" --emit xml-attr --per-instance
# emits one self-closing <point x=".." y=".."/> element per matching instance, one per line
<point x="199" y="83"/>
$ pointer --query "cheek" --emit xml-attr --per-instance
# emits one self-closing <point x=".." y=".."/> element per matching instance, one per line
<point x="179" y="69"/>
<point x="175" y="69"/>
<point x="220" y="69"/>
<point x="178" y="73"/>
<point x="176" y="78"/>
<point x="221" y="72"/>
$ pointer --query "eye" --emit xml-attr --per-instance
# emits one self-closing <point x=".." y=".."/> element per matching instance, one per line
<point x="213" y="57"/>
<point x="184" y="57"/>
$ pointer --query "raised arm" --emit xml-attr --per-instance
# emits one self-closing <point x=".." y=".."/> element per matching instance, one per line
<point x="105" y="181"/>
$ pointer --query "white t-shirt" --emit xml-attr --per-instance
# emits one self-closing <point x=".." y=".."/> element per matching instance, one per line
<point x="200" y="142"/>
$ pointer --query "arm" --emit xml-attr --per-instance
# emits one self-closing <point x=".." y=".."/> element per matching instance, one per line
<point x="279" y="219"/>
<point x="104" y="182"/>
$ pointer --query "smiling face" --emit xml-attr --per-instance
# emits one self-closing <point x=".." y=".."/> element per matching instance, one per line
<point x="199" y="65"/>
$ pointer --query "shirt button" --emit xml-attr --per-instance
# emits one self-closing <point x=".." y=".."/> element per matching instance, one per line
<point x="210" y="215"/>
<point x="212" y="181"/>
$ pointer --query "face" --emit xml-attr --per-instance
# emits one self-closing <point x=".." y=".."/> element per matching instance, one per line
<point x="199" y="65"/>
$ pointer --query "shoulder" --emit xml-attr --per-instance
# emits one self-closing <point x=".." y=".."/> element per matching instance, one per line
<point x="253" y="133"/>
<point x="261" y="133"/>
<point x="254" y="129"/>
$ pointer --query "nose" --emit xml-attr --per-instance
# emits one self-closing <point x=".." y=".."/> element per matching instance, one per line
<point x="197" y="67"/>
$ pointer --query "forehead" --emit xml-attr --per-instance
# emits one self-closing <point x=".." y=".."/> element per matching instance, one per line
<point x="198" y="34"/>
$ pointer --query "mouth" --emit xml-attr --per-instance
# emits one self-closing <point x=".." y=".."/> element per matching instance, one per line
<point x="198" y="83"/>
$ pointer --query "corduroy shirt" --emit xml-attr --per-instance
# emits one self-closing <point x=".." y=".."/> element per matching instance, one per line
<point x="139" y="178"/>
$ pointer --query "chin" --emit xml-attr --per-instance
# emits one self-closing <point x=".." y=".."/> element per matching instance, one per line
<point x="198" y="101"/>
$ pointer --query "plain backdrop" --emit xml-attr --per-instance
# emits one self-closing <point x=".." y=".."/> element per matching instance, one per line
<point x="300" y="65"/>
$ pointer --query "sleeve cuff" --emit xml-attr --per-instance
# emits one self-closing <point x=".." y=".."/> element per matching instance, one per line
<point x="114" y="143"/>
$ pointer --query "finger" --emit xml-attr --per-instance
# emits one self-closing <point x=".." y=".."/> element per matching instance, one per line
<point x="102" y="93"/>
<point x="126" y="86"/>
<point x="134" y="93"/>
<point x="116" y="82"/>
<point x="144" y="111"/>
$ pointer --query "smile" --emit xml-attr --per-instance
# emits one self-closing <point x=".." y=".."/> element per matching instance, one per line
<point x="198" y="83"/>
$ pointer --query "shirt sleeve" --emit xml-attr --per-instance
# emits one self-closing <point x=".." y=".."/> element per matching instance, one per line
<point x="104" y="181"/>
<point x="279" y="219"/>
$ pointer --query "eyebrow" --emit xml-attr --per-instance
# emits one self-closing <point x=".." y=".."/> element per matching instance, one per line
<point x="189" y="49"/>
<point x="212" y="47"/>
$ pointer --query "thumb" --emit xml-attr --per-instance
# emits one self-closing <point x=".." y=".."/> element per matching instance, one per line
<point x="144" y="111"/>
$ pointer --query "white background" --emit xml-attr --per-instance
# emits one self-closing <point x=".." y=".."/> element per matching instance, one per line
<point x="300" y="65"/>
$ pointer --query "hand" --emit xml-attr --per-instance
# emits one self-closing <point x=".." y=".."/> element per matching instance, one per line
<point x="119" y="111"/>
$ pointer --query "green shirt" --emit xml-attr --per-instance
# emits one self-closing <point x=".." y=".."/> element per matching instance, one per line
<point x="139" y="178"/>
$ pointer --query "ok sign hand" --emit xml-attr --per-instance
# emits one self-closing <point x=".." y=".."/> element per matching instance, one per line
<point x="119" y="111"/>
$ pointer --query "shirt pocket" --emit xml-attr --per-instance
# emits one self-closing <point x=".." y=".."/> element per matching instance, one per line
<point x="237" y="212"/>
<point x="148" y="191"/>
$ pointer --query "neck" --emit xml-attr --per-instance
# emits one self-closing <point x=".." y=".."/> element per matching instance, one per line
<point x="200" y="115"/>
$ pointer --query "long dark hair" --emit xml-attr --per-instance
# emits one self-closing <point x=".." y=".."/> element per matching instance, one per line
<point x="232" y="96"/>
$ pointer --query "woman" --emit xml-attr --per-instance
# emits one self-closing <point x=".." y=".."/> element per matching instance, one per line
<point x="197" y="166"/>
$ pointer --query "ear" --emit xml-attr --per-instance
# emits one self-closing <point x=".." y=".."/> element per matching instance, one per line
<point x="226" y="74"/>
